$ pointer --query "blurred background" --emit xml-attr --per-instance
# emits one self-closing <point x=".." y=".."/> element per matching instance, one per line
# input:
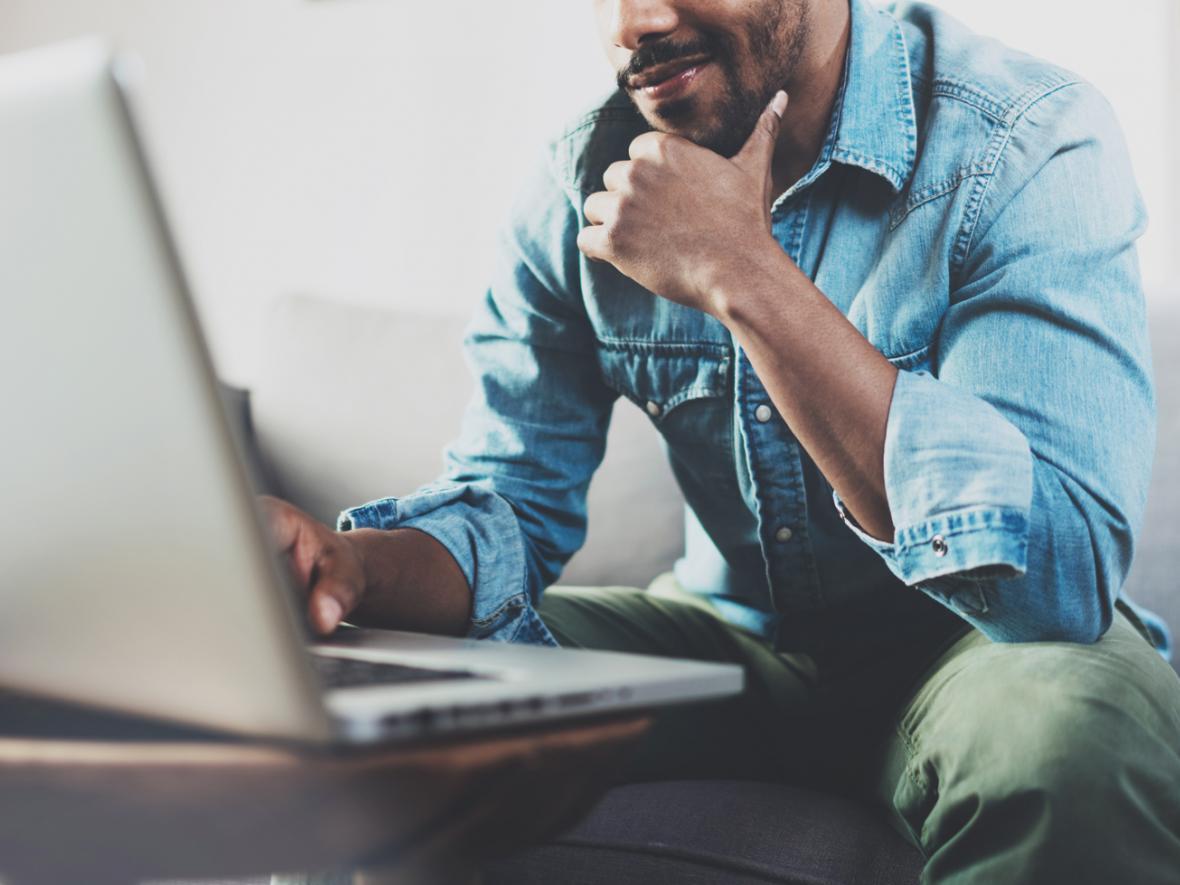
<point x="366" y="150"/>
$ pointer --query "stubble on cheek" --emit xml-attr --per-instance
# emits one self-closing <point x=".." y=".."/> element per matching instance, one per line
<point x="746" y="72"/>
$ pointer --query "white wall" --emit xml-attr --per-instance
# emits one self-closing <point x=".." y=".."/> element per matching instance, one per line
<point x="366" y="149"/>
<point x="1130" y="51"/>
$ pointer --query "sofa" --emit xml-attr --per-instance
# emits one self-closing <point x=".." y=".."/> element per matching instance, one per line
<point x="354" y="403"/>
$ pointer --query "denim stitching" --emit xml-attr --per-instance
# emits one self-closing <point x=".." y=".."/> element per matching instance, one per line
<point x="1030" y="99"/>
<point x="903" y="360"/>
<point x="931" y="192"/>
<point x="649" y="346"/>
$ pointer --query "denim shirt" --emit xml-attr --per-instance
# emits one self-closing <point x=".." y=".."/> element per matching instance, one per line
<point x="973" y="213"/>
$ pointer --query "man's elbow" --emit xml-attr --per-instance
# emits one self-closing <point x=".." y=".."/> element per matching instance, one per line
<point x="1080" y="623"/>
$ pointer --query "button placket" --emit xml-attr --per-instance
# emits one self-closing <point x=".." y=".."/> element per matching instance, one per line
<point x="776" y="461"/>
<point x="776" y="469"/>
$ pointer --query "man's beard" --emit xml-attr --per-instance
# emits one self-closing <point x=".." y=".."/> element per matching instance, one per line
<point x="729" y="127"/>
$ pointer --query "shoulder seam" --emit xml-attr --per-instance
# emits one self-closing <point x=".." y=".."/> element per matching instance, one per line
<point x="974" y="207"/>
<point x="1003" y="111"/>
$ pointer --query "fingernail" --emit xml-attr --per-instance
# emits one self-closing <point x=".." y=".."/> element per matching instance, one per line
<point x="330" y="612"/>
<point x="778" y="104"/>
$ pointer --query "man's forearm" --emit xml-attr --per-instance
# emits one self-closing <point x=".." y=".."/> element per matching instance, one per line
<point x="412" y="583"/>
<point x="831" y="386"/>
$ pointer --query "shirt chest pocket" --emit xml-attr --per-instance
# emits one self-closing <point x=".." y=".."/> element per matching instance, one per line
<point x="683" y="389"/>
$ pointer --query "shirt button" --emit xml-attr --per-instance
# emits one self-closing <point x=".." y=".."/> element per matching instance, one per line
<point x="783" y="535"/>
<point x="654" y="409"/>
<point x="763" y="414"/>
<point x="938" y="543"/>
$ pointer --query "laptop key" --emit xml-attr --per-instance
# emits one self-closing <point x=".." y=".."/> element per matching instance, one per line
<point x="337" y="672"/>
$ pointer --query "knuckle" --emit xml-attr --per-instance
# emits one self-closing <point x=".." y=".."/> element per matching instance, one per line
<point x="611" y="236"/>
<point x="667" y="145"/>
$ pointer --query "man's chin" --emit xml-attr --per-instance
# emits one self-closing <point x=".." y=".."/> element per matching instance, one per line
<point x="677" y="115"/>
<point x="683" y="118"/>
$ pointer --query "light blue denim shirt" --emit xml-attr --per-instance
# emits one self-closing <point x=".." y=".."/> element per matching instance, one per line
<point x="973" y="213"/>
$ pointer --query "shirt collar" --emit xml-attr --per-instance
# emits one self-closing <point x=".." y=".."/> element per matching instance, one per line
<point x="874" y="123"/>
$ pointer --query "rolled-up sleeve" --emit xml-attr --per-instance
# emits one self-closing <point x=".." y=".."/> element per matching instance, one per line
<point x="1017" y="468"/>
<point x="511" y="505"/>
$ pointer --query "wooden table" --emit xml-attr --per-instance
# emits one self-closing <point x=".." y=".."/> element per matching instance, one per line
<point x="116" y="810"/>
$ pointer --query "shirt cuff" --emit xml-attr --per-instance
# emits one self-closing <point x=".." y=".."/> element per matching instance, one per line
<point x="953" y="556"/>
<point x="480" y="531"/>
<point x="958" y="477"/>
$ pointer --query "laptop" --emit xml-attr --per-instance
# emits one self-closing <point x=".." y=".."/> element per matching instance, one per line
<point x="135" y="573"/>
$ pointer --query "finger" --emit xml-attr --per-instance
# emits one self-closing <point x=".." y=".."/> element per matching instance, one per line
<point x="324" y="613"/>
<point x="618" y="176"/>
<point x="601" y="208"/>
<point x="758" y="151"/>
<point x="330" y="602"/>
<point x="592" y="243"/>
<point x="288" y="528"/>
<point x="281" y="521"/>
<point x="303" y="559"/>
<point x="651" y="146"/>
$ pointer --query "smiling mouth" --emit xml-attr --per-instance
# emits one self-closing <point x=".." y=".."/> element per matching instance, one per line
<point x="661" y="74"/>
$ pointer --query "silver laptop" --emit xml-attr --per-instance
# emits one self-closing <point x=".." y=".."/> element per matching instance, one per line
<point x="134" y="572"/>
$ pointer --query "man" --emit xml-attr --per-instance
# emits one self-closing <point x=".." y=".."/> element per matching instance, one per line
<point x="874" y="280"/>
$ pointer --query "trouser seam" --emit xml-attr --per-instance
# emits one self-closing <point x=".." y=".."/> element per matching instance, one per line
<point x="912" y="773"/>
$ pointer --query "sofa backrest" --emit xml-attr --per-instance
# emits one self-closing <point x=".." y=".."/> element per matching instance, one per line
<point x="1154" y="580"/>
<point x="355" y="403"/>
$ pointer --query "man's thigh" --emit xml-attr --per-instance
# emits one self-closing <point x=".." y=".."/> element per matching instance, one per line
<point x="749" y="735"/>
<point x="1007" y="758"/>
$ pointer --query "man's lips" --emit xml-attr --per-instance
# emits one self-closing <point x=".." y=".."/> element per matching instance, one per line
<point x="651" y="80"/>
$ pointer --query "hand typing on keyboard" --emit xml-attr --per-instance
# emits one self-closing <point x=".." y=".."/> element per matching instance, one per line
<point x="401" y="579"/>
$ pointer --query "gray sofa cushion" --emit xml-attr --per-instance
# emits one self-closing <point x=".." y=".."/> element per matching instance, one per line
<point x="722" y="833"/>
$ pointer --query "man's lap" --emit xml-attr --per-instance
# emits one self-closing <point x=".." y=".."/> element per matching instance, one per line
<point x="807" y="719"/>
<point x="855" y="731"/>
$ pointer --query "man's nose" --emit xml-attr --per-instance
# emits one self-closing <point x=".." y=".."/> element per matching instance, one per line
<point x="634" y="22"/>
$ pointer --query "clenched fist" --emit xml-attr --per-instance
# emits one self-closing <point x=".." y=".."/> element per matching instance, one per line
<point x="682" y="220"/>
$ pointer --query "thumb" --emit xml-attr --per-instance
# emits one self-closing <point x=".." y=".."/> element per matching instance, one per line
<point x="756" y="154"/>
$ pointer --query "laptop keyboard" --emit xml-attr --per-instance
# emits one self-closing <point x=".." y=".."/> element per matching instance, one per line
<point x="352" y="673"/>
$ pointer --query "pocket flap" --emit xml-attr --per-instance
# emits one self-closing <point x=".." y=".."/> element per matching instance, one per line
<point x="660" y="377"/>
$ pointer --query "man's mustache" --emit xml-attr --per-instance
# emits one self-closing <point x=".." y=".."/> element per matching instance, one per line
<point x="662" y="52"/>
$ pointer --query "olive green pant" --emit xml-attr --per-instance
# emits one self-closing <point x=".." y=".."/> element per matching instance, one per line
<point x="1002" y="763"/>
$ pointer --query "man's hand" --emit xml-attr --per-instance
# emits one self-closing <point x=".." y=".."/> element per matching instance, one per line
<point x="681" y="220"/>
<point x="401" y="579"/>
<point x="694" y="227"/>
<point x="325" y="565"/>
